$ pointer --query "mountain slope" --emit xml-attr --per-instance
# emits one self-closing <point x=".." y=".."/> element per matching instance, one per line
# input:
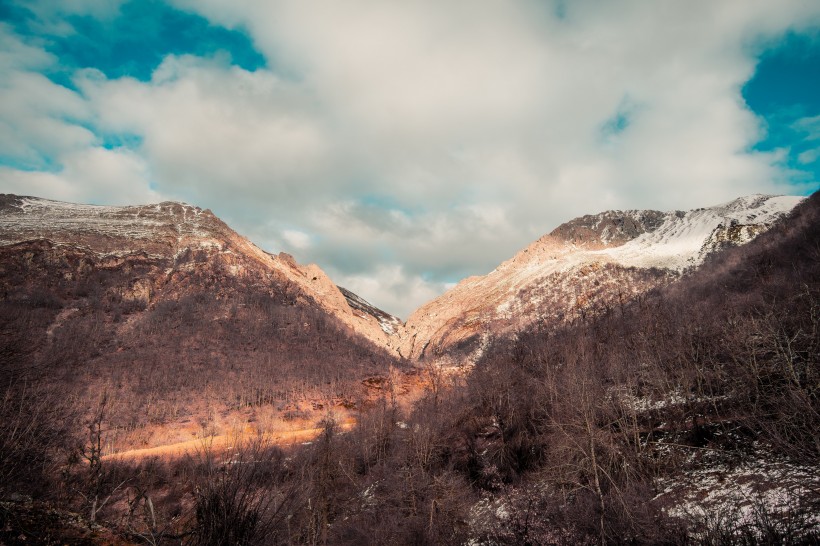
<point x="694" y="408"/>
<point x="389" y="324"/>
<point x="590" y="262"/>
<point x="173" y="322"/>
<point x="177" y="233"/>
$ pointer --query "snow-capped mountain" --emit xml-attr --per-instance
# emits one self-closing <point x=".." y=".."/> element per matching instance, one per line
<point x="177" y="239"/>
<point x="584" y="265"/>
<point x="684" y="240"/>
<point x="587" y="264"/>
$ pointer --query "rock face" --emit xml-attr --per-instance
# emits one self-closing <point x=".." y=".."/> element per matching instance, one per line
<point x="175" y="238"/>
<point x="389" y="324"/>
<point x="583" y="266"/>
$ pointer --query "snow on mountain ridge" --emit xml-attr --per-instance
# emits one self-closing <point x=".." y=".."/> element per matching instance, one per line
<point x="582" y="265"/>
<point x="388" y="323"/>
<point x="608" y="228"/>
<point x="684" y="240"/>
<point x="178" y="236"/>
<point x="31" y="217"/>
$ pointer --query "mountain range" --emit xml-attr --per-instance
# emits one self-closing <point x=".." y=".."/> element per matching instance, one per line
<point x="616" y="380"/>
<point x="583" y="265"/>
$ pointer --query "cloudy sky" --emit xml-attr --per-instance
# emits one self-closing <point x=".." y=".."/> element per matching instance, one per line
<point x="405" y="145"/>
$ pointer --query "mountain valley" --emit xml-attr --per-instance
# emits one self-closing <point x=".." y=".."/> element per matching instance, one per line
<point x="583" y="267"/>
<point x="565" y="397"/>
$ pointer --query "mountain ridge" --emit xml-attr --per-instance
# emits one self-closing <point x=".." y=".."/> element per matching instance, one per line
<point x="178" y="232"/>
<point x="594" y="260"/>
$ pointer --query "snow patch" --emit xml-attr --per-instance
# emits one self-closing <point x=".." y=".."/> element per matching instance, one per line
<point x="682" y="241"/>
<point x="739" y="492"/>
<point x="389" y="324"/>
<point x="29" y="218"/>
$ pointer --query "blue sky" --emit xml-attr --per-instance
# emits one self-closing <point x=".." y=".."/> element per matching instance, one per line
<point x="403" y="146"/>
<point x="785" y="92"/>
<point x="132" y="41"/>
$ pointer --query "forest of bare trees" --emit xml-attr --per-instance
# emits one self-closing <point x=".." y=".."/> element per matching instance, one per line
<point x="559" y="435"/>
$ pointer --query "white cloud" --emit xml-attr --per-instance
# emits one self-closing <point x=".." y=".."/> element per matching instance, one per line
<point x="522" y="95"/>
<point x="296" y="239"/>
<point x="45" y="142"/>
<point x="215" y="132"/>
<point x="38" y="118"/>
<point x="809" y="156"/>
<point x="15" y="54"/>
<point x="810" y="126"/>
<point x="403" y="145"/>
<point x="91" y="175"/>
<point x="50" y="15"/>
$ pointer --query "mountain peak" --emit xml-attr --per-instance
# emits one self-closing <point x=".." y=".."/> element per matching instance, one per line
<point x="609" y="228"/>
<point x="684" y="239"/>
<point x="592" y="261"/>
<point x="180" y="238"/>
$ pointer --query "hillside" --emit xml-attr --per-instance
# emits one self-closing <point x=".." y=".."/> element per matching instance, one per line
<point x="582" y="267"/>
<point x="177" y="322"/>
<point x="660" y="386"/>
<point x="178" y="236"/>
<point x="698" y="402"/>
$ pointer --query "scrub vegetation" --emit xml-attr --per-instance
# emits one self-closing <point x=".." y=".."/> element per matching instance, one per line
<point x="583" y="432"/>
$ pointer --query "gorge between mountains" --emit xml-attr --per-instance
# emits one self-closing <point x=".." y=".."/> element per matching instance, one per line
<point x="186" y="386"/>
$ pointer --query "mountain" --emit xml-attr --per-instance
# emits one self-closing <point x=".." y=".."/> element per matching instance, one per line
<point x="582" y="267"/>
<point x="687" y="415"/>
<point x="640" y="376"/>
<point x="179" y="236"/>
<point x="175" y="321"/>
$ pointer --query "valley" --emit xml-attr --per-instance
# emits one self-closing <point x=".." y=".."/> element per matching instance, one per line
<point x="618" y="379"/>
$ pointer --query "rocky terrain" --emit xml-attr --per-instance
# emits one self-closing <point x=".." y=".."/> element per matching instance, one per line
<point x="634" y="376"/>
<point x="583" y="266"/>
<point x="178" y="238"/>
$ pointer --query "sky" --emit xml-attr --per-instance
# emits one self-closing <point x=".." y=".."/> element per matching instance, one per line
<point x="405" y="145"/>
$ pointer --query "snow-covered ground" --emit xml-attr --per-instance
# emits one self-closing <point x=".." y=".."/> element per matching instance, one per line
<point x="29" y="217"/>
<point x="738" y="493"/>
<point x="685" y="239"/>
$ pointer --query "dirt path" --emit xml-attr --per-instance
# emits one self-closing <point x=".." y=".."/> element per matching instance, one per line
<point x="222" y="441"/>
<point x="408" y="389"/>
